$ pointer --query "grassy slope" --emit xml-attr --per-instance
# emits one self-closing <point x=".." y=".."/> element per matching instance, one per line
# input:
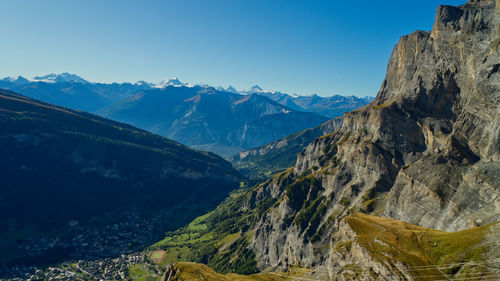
<point x="196" y="271"/>
<point x="429" y="252"/>
<point x="218" y="238"/>
<point x="141" y="272"/>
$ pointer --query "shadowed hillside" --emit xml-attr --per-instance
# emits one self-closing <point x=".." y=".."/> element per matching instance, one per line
<point x="61" y="165"/>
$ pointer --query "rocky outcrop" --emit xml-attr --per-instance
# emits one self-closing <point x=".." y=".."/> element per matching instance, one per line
<point x="426" y="151"/>
<point x="349" y="260"/>
<point x="454" y="95"/>
<point x="374" y="248"/>
<point x="170" y="273"/>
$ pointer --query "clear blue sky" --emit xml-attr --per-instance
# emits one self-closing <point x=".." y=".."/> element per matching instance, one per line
<point x="306" y="46"/>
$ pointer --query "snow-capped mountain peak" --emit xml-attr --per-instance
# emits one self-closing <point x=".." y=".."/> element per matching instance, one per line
<point x="144" y="83"/>
<point x="9" y="79"/>
<point x="59" y="78"/>
<point x="15" y="80"/>
<point x="174" y="81"/>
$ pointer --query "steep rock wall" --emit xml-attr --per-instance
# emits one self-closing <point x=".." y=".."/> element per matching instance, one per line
<point x="426" y="151"/>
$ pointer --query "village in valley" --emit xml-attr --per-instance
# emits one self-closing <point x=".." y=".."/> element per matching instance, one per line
<point x="98" y="250"/>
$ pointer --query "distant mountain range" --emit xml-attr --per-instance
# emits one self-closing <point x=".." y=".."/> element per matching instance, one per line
<point x="72" y="91"/>
<point x="108" y="93"/>
<point x="59" y="165"/>
<point x="224" y="121"/>
<point x="330" y="107"/>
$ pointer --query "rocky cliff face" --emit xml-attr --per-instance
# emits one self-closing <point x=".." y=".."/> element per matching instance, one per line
<point x="326" y="128"/>
<point x="261" y="162"/>
<point x="426" y="151"/>
<point x="454" y="95"/>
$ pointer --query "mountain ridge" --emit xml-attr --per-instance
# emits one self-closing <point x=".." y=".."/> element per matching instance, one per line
<point x="64" y="169"/>
<point x="208" y="119"/>
<point x="260" y="163"/>
<point x="426" y="152"/>
<point x="197" y="118"/>
<point x="331" y="107"/>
